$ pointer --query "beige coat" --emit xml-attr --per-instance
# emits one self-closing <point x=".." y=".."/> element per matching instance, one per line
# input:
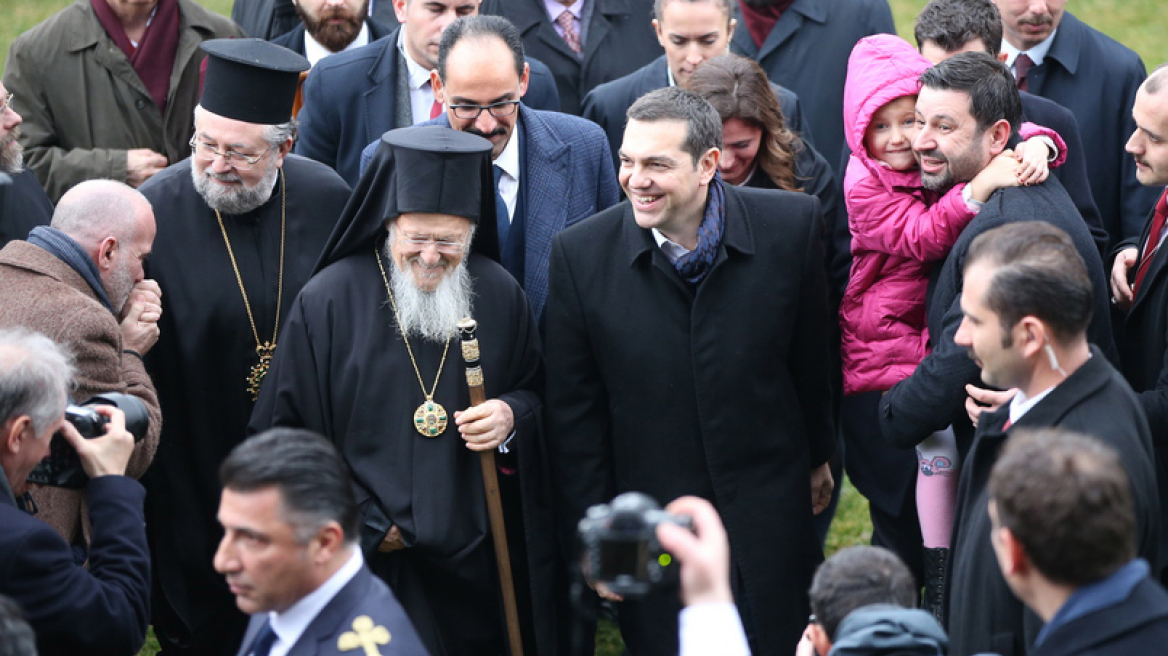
<point x="40" y="292"/>
<point x="84" y="106"/>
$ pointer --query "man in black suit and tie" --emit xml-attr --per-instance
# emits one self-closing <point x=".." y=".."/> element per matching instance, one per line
<point x="1139" y="283"/>
<point x="290" y="553"/>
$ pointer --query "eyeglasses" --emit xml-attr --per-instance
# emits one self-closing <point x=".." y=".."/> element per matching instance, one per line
<point x="443" y="245"/>
<point x="239" y="161"/>
<point x="498" y="110"/>
<point x="7" y="103"/>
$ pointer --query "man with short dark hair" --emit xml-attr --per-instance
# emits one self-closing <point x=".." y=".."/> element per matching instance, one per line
<point x="649" y="362"/>
<point x="352" y="98"/>
<point x="947" y="27"/>
<point x="290" y="554"/>
<point x="551" y="170"/>
<point x="970" y="112"/>
<point x="102" y="609"/>
<point x="804" y="46"/>
<point x="241" y="224"/>
<point x="1063" y="528"/>
<point x="331" y="26"/>
<point x="1053" y="54"/>
<point x="1026" y="302"/>
<point x="80" y="282"/>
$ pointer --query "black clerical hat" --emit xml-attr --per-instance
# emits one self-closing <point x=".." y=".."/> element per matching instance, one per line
<point x="426" y="168"/>
<point x="251" y="80"/>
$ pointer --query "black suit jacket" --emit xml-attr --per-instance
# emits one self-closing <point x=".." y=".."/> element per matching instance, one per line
<point x="618" y="40"/>
<point x="1073" y="172"/>
<point x="1144" y="339"/>
<point x="365" y="596"/>
<point x="607" y="104"/>
<point x="984" y="615"/>
<point x="659" y="387"/>
<point x="934" y="396"/>
<point x="23" y="206"/>
<point x="1136" y="625"/>
<point x="99" y="611"/>
<point x="294" y="40"/>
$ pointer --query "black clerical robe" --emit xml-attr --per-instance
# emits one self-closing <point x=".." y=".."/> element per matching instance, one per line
<point x="23" y="206"/>
<point x="343" y="370"/>
<point x="200" y="366"/>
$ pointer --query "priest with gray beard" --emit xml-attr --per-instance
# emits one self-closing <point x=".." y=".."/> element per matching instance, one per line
<point x="369" y="357"/>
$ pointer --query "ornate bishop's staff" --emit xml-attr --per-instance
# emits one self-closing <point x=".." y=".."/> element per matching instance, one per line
<point x="474" y="380"/>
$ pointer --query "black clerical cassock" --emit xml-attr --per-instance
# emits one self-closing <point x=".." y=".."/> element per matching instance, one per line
<point x="343" y="370"/>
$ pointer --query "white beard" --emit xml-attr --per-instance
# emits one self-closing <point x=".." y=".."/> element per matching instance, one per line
<point x="234" y="200"/>
<point x="432" y="316"/>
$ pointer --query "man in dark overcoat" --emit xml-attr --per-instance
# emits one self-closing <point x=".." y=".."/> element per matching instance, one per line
<point x="687" y="351"/>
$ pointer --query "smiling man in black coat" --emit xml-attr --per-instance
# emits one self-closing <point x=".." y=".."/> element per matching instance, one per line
<point x="687" y="351"/>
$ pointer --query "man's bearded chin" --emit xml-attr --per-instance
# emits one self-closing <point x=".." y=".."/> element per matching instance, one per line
<point x="335" y="37"/>
<point x="11" y="153"/>
<point x="431" y="316"/>
<point x="234" y="199"/>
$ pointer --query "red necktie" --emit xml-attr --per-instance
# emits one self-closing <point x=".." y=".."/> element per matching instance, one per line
<point x="1022" y="65"/>
<point x="435" y="109"/>
<point x="1150" y="248"/>
<point x="567" y="22"/>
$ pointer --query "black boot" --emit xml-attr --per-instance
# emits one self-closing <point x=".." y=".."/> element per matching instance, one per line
<point x="936" y="569"/>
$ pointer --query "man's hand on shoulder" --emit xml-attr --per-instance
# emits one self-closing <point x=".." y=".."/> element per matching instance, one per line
<point x="485" y="426"/>
<point x="142" y="164"/>
<point x="109" y="454"/>
<point x="140" y="317"/>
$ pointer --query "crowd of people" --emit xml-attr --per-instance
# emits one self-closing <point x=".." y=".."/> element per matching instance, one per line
<point x="717" y="252"/>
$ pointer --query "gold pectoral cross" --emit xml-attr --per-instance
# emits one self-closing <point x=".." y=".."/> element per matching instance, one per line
<point x="364" y="636"/>
<point x="260" y="369"/>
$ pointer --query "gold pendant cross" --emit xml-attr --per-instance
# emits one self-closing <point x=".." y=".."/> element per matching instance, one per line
<point x="364" y="636"/>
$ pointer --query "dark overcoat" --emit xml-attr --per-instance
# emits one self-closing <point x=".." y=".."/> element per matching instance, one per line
<point x="720" y="390"/>
<point x="1096" y="78"/>
<point x="618" y="39"/>
<point x="1136" y="625"/>
<point x="984" y="615"/>
<point x="807" y="52"/>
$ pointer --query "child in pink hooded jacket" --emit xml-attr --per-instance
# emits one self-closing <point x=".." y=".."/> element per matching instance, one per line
<point x="898" y="230"/>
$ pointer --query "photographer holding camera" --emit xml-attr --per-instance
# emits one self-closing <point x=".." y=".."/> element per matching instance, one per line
<point x="73" y="610"/>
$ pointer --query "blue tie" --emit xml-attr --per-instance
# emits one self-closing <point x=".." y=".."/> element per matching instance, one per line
<point x="501" y="214"/>
<point x="263" y="642"/>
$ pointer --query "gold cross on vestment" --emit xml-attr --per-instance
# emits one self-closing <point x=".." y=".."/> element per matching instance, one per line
<point x="364" y="636"/>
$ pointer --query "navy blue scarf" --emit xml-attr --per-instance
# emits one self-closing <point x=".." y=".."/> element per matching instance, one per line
<point x="70" y="252"/>
<point x="694" y="265"/>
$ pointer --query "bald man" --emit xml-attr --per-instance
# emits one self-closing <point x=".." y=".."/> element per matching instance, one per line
<point x="79" y="281"/>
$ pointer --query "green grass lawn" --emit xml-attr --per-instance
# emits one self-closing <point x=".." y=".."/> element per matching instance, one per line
<point x="1136" y="23"/>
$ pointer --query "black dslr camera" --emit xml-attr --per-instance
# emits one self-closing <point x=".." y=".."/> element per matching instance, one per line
<point x="621" y="548"/>
<point x="62" y="467"/>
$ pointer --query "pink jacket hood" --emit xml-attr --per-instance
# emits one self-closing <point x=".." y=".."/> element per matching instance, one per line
<point x="881" y="69"/>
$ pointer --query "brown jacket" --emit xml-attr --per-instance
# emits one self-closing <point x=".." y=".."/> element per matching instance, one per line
<point x="84" y="106"/>
<point x="40" y="292"/>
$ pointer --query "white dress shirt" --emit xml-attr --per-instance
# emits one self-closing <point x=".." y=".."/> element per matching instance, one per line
<point x="1036" y="54"/>
<point x="508" y="160"/>
<point x="315" y="52"/>
<point x="418" y="80"/>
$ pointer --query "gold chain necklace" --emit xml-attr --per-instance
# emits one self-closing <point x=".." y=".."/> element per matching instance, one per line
<point x="430" y="417"/>
<point x="264" y="350"/>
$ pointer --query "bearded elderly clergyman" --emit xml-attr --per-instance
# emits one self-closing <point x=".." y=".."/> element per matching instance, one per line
<point x="241" y="224"/>
<point x="370" y="345"/>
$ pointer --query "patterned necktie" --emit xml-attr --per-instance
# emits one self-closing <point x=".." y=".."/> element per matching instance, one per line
<point x="502" y="216"/>
<point x="263" y="642"/>
<point x="1150" y="248"/>
<point x="1022" y="65"/>
<point x="567" y="22"/>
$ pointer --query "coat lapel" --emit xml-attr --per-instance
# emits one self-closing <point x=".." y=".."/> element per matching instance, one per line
<point x="788" y="24"/>
<point x="329" y="623"/>
<point x="1154" y="268"/>
<point x="548" y="188"/>
<point x="379" y="99"/>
